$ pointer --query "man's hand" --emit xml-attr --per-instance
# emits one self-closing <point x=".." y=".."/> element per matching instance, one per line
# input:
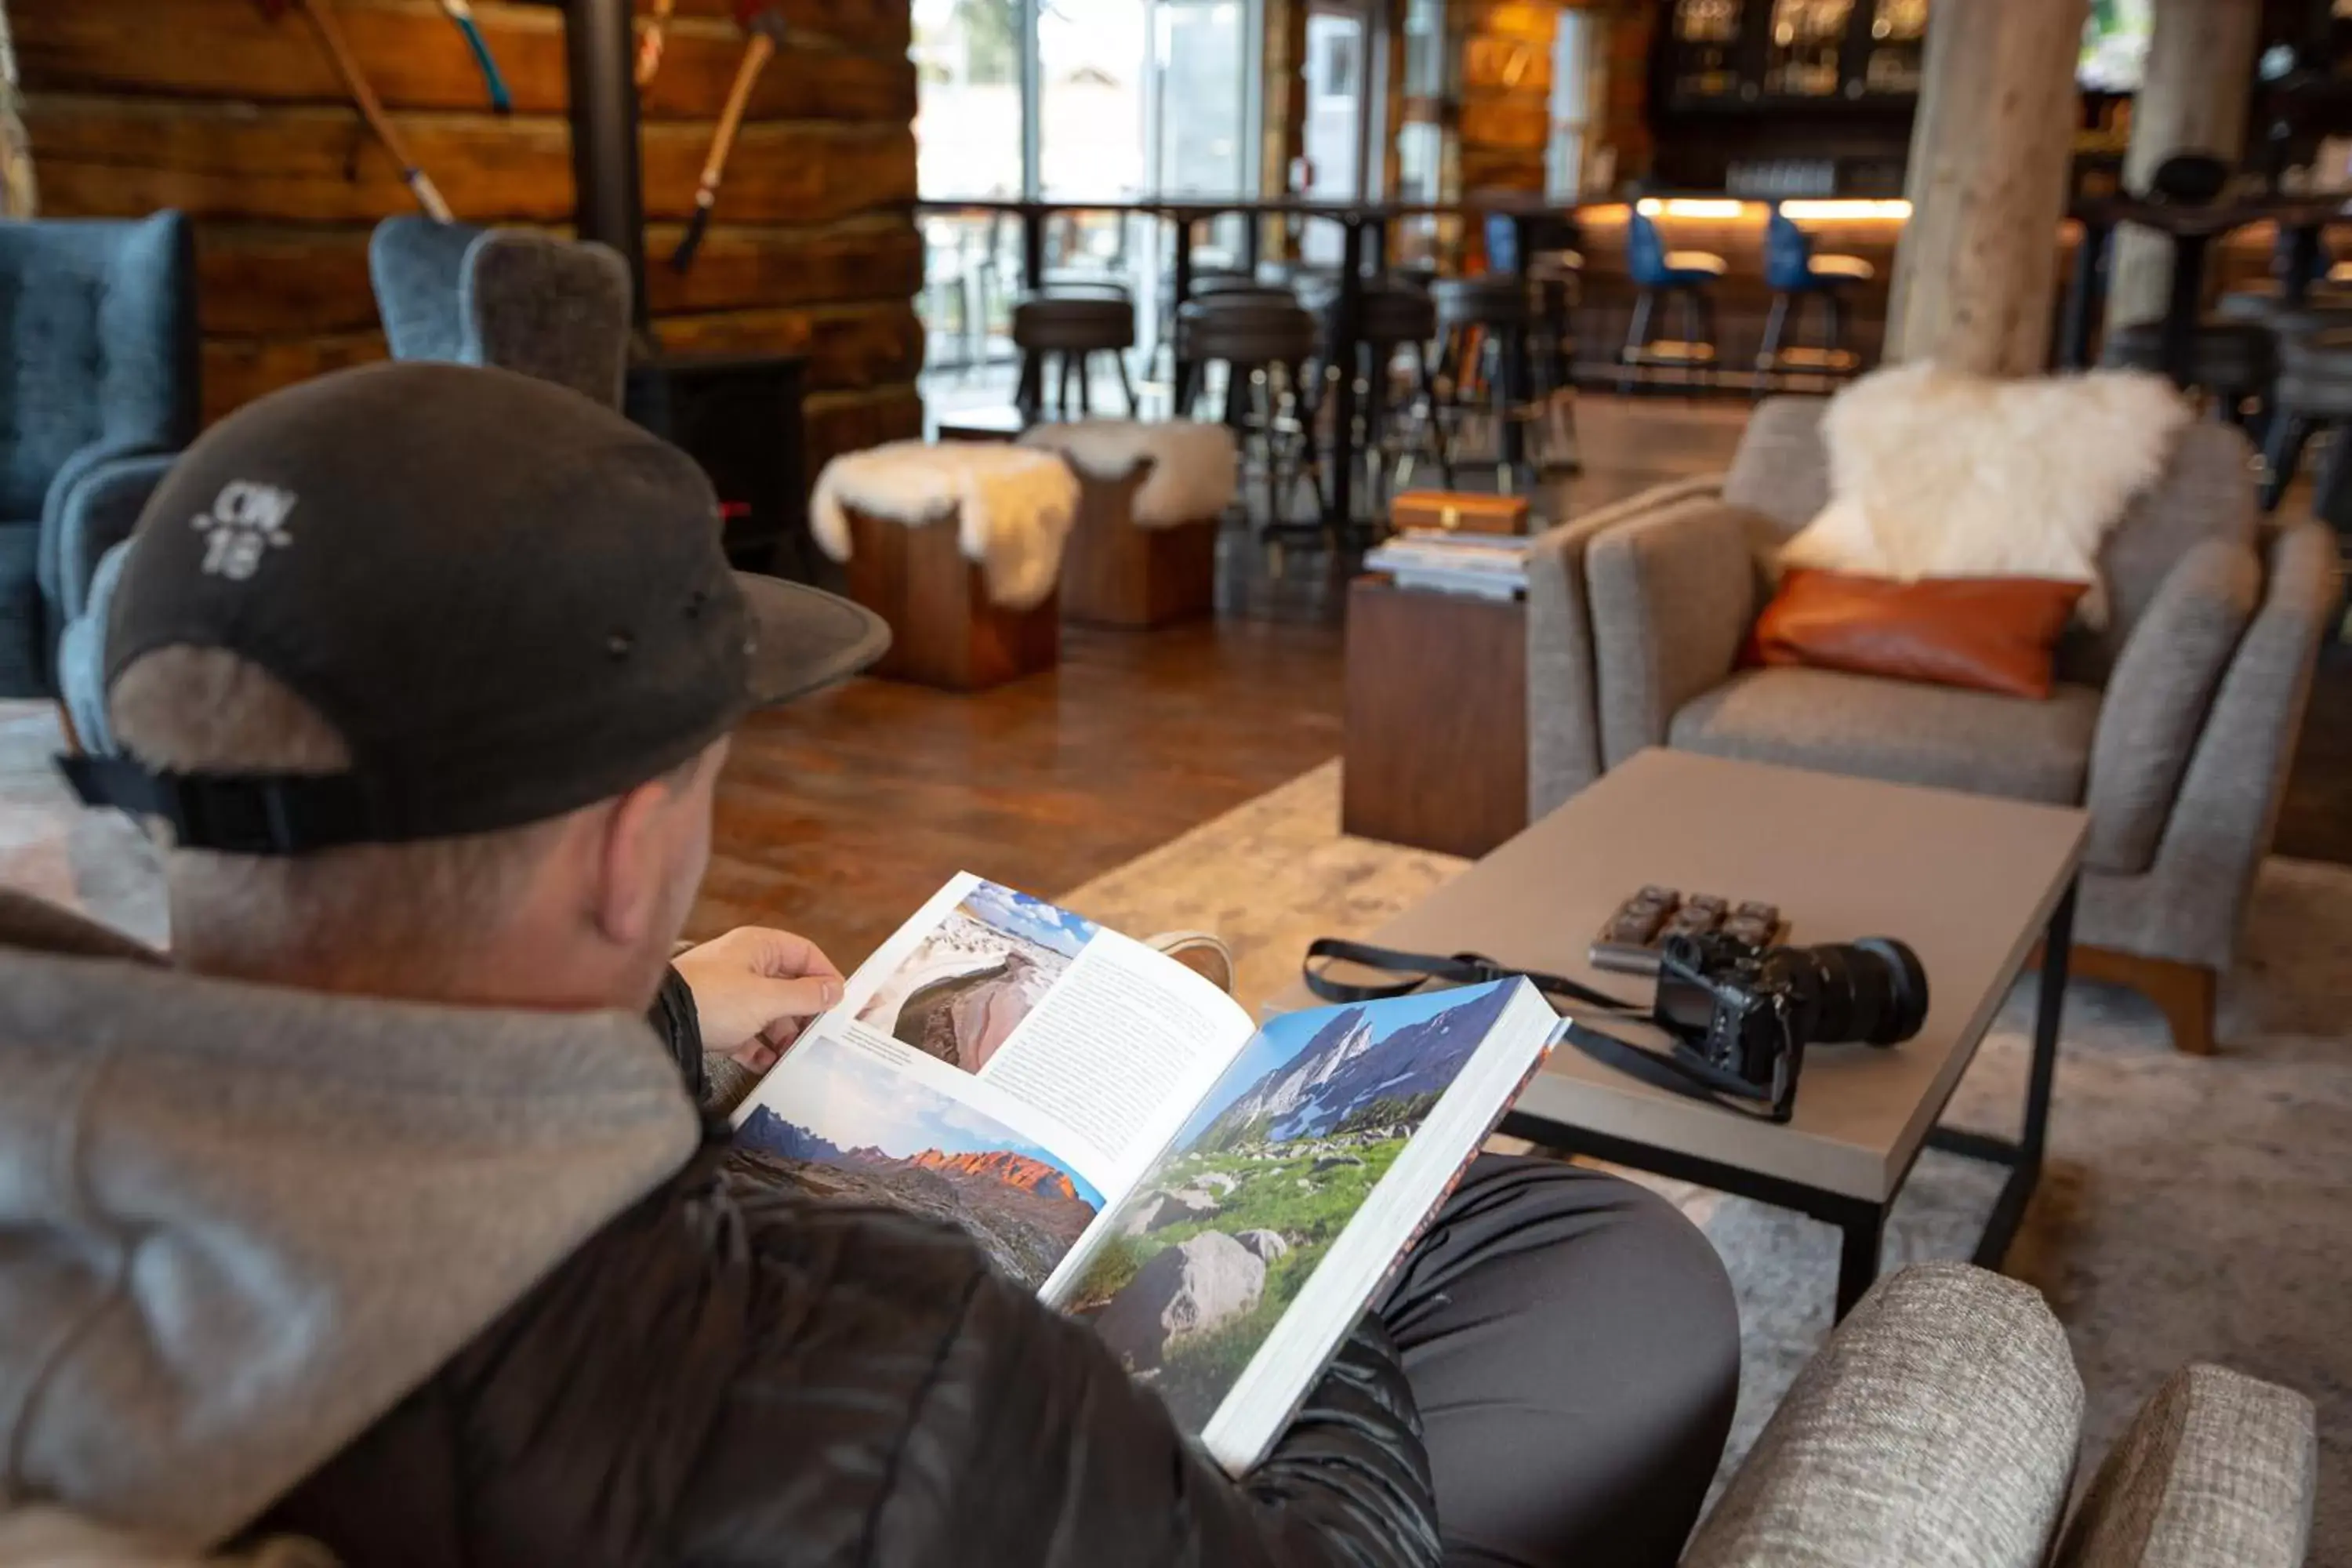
<point x="755" y="989"/>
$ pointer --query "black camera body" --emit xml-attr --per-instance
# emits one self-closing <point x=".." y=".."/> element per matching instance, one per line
<point x="1743" y="1014"/>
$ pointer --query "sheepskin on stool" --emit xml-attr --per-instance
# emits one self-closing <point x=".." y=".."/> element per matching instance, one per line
<point x="1934" y="473"/>
<point x="1013" y="507"/>
<point x="1195" y="469"/>
<point x="1144" y="550"/>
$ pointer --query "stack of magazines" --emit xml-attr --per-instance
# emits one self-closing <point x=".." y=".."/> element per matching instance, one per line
<point x="1486" y="565"/>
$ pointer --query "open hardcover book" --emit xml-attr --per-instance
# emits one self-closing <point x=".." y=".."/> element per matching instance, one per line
<point x="1220" y="1201"/>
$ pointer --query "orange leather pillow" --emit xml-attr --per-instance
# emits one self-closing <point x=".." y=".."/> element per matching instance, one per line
<point x="1991" y="633"/>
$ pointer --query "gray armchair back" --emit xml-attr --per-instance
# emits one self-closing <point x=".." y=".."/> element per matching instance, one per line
<point x="98" y="367"/>
<point x="553" y="309"/>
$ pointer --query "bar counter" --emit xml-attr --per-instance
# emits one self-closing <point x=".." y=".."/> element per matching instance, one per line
<point x="1734" y="229"/>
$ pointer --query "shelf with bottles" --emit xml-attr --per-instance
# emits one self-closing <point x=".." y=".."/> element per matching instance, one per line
<point x="1779" y="54"/>
<point x="1802" y="53"/>
<point x="1706" y="39"/>
<point x="1894" y="53"/>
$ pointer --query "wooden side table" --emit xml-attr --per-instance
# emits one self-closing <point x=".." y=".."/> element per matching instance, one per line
<point x="1436" y="719"/>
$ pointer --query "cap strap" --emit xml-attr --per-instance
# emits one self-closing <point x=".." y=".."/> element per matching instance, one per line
<point x="253" y="814"/>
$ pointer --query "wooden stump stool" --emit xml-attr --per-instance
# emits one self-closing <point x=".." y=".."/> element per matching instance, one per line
<point x="958" y="547"/>
<point x="1143" y="552"/>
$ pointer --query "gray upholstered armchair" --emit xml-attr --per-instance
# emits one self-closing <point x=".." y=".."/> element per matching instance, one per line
<point x="101" y="362"/>
<point x="2174" y="725"/>
<point x="554" y="309"/>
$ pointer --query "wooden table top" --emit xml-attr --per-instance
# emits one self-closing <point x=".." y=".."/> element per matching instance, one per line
<point x="1969" y="881"/>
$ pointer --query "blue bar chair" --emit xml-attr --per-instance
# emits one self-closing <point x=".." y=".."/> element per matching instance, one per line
<point x="1688" y="276"/>
<point x="1795" y="275"/>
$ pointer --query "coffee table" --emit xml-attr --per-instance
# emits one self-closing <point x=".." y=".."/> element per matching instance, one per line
<point x="1972" y="883"/>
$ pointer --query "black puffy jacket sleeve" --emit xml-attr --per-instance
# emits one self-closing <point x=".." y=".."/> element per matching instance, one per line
<point x="931" y="1411"/>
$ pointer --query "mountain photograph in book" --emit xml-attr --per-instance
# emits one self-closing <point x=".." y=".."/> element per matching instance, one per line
<point x="901" y="1144"/>
<point x="969" y="984"/>
<point x="1217" y="1238"/>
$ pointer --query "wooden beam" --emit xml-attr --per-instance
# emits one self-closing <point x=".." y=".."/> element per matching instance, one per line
<point x="278" y="280"/>
<point x="125" y="158"/>
<point x="415" y="60"/>
<point x="1976" y="273"/>
<point x="2193" y="99"/>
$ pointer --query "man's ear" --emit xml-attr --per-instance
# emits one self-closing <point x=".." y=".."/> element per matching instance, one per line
<point x="632" y="865"/>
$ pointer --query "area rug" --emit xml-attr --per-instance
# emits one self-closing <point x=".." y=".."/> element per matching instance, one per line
<point x="2190" y="1209"/>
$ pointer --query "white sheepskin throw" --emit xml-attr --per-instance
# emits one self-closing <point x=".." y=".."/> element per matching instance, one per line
<point x="1195" y="469"/>
<point x="1934" y="473"/>
<point x="1013" y="506"/>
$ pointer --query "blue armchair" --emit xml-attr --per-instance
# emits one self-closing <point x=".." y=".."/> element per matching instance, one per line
<point x="99" y="376"/>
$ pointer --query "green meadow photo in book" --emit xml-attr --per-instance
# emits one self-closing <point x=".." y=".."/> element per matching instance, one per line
<point x="1220" y="1201"/>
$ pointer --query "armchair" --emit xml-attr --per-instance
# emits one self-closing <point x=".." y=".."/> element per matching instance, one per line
<point x="100" y="356"/>
<point x="554" y="309"/>
<point x="2173" y="725"/>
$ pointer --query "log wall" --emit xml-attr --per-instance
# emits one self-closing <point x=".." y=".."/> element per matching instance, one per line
<point x="240" y="120"/>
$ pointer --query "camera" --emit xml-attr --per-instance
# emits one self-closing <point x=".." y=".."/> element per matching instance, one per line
<point x="1745" y="1014"/>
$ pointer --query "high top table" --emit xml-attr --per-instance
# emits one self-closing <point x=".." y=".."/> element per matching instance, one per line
<point x="1354" y="218"/>
<point x="1971" y="882"/>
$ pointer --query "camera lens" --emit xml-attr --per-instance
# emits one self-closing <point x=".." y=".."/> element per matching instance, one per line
<point x="1872" y="991"/>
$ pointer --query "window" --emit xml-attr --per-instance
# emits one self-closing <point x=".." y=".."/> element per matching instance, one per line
<point x="1574" y="67"/>
<point x="1340" y="65"/>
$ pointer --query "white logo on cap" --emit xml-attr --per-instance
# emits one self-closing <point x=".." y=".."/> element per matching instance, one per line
<point x="247" y="519"/>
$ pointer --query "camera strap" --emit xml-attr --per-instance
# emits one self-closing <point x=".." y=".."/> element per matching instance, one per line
<point x="1681" y="1071"/>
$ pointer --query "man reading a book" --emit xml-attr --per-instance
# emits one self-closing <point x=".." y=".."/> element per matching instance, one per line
<point x="376" y="1215"/>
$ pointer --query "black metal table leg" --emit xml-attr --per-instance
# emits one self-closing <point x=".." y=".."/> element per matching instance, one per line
<point x="1032" y="248"/>
<point x="2023" y="1157"/>
<point x="2305" y="253"/>
<point x="2185" y="305"/>
<point x="1346" y="320"/>
<point x="2083" y="297"/>
<point x="1861" y="1238"/>
<point x="1181" y="288"/>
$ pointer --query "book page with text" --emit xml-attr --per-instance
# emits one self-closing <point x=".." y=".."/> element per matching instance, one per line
<point x="1053" y="1040"/>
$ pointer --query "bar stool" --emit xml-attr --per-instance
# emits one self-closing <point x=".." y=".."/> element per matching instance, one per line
<point x="1071" y="329"/>
<point x="2233" y="362"/>
<point x="2313" y="393"/>
<point x="1795" y="275"/>
<point x="1688" y="276"/>
<point x="1390" y="318"/>
<point x="1264" y="344"/>
<point x="1486" y="326"/>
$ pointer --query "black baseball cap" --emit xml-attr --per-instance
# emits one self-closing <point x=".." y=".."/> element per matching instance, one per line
<point x="510" y="600"/>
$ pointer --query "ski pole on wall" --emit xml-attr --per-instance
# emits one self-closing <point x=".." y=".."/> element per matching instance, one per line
<point x="419" y="183"/>
<point x="766" y="26"/>
<point x="462" y="12"/>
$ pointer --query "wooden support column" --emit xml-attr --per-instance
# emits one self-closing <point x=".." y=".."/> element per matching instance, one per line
<point x="1976" y="277"/>
<point x="2193" y="99"/>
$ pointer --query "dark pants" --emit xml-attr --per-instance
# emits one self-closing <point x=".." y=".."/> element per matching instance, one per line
<point x="1573" y="1345"/>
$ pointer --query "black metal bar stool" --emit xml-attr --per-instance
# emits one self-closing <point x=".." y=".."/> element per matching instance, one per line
<point x="2233" y="363"/>
<point x="1687" y="276"/>
<point x="1264" y="344"/>
<point x="2313" y="393"/>
<point x="1071" y="329"/>
<point x="1392" y="319"/>
<point x="1486" y="327"/>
